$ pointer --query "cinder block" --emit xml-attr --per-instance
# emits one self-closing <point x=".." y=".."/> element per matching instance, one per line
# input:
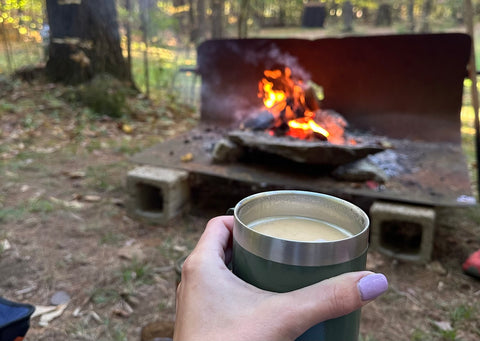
<point x="157" y="195"/>
<point x="402" y="231"/>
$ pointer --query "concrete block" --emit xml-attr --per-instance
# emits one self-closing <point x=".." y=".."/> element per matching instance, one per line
<point x="402" y="231"/>
<point x="157" y="195"/>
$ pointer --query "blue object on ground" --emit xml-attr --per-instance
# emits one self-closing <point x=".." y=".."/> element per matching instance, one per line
<point x="14" y="320"/>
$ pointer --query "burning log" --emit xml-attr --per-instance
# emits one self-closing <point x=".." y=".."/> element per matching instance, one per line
<point x="263" y="120"/>
<point x="291" y="104"/>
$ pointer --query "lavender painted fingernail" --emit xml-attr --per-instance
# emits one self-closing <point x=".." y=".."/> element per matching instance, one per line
<point x="372" y="286"/>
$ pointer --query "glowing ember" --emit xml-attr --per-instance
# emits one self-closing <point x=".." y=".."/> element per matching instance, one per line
<point x="285" y="98"/>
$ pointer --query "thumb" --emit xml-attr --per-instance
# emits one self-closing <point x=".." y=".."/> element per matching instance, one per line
<point x="332" y="298"/>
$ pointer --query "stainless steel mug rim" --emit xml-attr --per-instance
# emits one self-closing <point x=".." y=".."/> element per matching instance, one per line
<point x="300" y="253"/>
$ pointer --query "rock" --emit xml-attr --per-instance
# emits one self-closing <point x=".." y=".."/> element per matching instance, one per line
<point x="444" y="326"/>
<point x="4" y="245"/>
<point x="226" y="151"/>
<point x="303" y="151"/>
<point x="60" y="297"/>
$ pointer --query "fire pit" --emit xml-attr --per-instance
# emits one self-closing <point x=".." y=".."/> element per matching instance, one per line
<point x="399" y="98"/>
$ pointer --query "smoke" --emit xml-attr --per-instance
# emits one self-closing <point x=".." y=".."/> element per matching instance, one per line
<point x="254" y="55"/>
<point x="269" y="56"/>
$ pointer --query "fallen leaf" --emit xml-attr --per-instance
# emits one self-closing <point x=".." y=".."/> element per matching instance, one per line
<point x="120" y="312"/>
<point x="26" y="290"/>
<point x="77" y="312"/>
<point x="187" y="157"/>
<point x="131" y="252"/>
<point x="76" y="174"/>
<point x="95" y="316"/>
<point x="127" y="129"/>
<point x="180" y="248"/>
<point x="69" y="204"/>
<point x="92" y="198"/>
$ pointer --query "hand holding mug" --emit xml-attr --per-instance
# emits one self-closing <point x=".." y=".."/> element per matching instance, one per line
<point x="214" y="304"/>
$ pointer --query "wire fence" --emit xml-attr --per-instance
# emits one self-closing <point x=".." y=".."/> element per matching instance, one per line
<point x="171" y="71"/>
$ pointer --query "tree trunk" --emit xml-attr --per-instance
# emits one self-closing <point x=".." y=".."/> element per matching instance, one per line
<point x="192" y="20"/>
<point x="282" y="14"/>
<point x="201" y="20"/>
<point x="242" y="19"/>
<point x="6" y="47"/>
<point x="217" y="18"/>
<point x="411" y="17"/>
<point x="347" y="14"/>
<point x="427" y="9"/>
<point x="144" y="19"/>
<point x="128" y="27"/>
<point x="84" y="41"/>
<point x="384" y="15"/>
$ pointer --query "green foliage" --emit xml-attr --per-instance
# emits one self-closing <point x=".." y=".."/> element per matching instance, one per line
<point x="463" y="313"/>
<point x="419" y="335"/>
<point x="105" y="95"/>
<point x="137" y="272"/>
<point x="9" y="214"/>
<point x="99" y="177"/>
<point x="25" y="16"/>
<point x="35" y="206"/>
<point x="105" y="295"/>
<point x="111" y="238"/>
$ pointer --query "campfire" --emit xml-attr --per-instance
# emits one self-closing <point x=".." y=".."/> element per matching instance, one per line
<point x="291" y="108"/>
<point x="290" y="123"/>
<point x="295" y="110"/>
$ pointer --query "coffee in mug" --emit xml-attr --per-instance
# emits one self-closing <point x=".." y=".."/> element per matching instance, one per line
<point x="299" y="228"/>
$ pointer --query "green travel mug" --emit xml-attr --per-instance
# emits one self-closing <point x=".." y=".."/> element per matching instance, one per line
<point x="281" y="265"/>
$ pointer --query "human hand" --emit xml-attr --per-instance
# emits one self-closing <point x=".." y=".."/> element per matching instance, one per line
<point x="214" y="304"/>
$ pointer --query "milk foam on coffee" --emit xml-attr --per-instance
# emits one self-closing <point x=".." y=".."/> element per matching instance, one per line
<point x="299" y="229"/>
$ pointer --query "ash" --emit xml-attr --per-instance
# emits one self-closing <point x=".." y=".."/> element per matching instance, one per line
<point x="390" y="162"/>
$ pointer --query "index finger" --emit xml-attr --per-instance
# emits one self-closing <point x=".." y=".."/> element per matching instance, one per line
<point x="216" y="236"/>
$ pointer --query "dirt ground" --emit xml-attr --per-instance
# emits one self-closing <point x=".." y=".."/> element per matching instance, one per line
<point x="62" y="211"/>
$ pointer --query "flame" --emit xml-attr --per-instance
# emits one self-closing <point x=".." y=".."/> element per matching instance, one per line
<point x="308" y="124"/>
<point x="284" y="98"/>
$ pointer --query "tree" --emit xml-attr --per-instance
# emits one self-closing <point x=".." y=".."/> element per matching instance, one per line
<point x="426" y="10"/>
<point x="218" y="8"/>
<point x="243" y="15"/>
<point x="84" y="41"/>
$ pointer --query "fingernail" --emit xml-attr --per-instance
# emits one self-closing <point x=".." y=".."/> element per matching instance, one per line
<point x="372" y="286"/>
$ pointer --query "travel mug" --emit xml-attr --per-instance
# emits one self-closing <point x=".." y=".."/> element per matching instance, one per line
<point x="282" y="264"/>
